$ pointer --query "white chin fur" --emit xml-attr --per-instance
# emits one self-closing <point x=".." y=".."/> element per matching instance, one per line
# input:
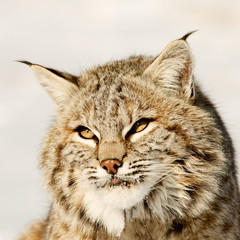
<point x="122" y="197"/>
<point x="106" y="205"/>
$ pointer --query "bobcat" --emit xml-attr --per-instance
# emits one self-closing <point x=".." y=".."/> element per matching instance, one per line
<point x="137" y="151"/>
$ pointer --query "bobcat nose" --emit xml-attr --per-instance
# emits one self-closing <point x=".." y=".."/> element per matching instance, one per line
<point x="111" y="166"/>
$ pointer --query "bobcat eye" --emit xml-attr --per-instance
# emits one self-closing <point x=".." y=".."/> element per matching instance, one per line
<point x="139" y="126"/>
<point x="85" y="132"/>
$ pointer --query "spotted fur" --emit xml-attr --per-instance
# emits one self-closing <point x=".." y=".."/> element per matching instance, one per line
<point x="177" y="178"/>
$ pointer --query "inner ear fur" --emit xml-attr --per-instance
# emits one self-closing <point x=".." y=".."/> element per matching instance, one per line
<point x="172" y="70"/>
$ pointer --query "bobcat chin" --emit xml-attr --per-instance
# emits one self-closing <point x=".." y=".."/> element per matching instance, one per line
<point x="137" y="151"/>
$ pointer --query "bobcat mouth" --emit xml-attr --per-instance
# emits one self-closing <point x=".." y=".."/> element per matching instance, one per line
<point x="115" y="181"/>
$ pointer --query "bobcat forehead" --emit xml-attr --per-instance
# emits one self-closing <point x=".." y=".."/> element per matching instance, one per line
<point x="137" y="151"/>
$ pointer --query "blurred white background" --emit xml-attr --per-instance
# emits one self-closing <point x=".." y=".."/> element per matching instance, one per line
<point x="76" y="34"/>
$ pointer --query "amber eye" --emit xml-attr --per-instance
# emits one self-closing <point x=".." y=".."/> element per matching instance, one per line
<point x="85" y="132"/>
<point x="140" y="125"/>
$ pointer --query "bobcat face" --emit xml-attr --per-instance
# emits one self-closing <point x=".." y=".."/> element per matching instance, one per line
<point x="112" y="147"/>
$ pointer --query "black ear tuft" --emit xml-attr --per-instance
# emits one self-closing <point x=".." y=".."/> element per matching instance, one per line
<point x="187" y="35"/>
<point x="25" y="62"/>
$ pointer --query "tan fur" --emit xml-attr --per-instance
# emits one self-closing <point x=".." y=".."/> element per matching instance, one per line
<point x="34" y="232"/>
<point x="176" y="178"/>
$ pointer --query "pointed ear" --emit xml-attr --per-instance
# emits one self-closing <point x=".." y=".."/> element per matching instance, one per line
<point x="60" y="86"/>
<point x="172" y="70"/>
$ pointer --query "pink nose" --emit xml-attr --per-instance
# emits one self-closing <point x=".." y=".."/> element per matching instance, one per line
<point x="111" y="166"/>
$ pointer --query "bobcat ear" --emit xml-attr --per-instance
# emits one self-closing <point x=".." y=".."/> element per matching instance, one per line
<point x="58" y="85"/>
<point x="172" y="70"/>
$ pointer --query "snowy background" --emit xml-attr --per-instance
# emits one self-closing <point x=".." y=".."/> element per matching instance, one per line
<point x="75" y="34"/>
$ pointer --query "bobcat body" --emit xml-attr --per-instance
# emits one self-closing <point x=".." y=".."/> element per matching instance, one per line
<point x="137" y="151"/>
